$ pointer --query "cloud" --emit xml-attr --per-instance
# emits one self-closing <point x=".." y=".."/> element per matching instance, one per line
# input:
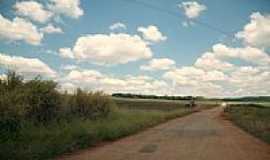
<point x="217" y="58"/>
<point x="257" y="31"/>
<point x="192" y="9"/>
<point x="69" y="8"/>
<point x="26" y="66"/>
<point x="66" y="53"/>
<point x="33" y="10"/>
<point x="248" y="54"/>
<point x="118" y="25"/>
<point x="37" y="12"/>
<point x="94" y="80"/>
<point x="69" y="67"/>
<point x="152" y="33"/>
<point x="250" y="80"/>
<point x="158" y="64"/>
<point x="19" y="29"/>
<point x="190" y="80"/>
<point x="215" y="73"/>
<point x="51" y="29"/>
<point x="192" y="76"/>
<point x="208" y="61"/>
<point x="85" y="76"/>
<point x="109" y="49"/>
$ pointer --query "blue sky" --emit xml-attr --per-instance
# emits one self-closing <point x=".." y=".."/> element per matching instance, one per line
<point x="167" y="56"/>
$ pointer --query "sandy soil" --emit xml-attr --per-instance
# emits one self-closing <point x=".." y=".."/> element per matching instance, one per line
<point x="201" y="136"/>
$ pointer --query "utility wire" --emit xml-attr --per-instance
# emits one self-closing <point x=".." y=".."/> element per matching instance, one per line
<point x="176" y="14"/>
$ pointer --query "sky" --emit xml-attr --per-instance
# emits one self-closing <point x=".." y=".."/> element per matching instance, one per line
<point x="200" y="48"/>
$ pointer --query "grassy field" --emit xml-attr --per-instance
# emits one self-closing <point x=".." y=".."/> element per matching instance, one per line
<point x="44" y="142"/>
<point x="266" y="104"/>
<point x="160" y="105"/>
<point x="254" y="119"/>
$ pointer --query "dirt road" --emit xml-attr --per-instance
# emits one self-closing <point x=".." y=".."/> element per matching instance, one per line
<point x="201" y="136"/>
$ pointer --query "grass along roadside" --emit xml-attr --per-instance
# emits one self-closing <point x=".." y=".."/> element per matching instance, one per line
<point x="254" y="119"/>
<point x="45" y="142"/>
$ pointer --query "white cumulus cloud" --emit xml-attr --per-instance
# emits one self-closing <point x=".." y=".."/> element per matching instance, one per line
<point x="190" y="80"/>
<point x="51" y="29"/>
<point x="103" y="49"/>
<point x="152" y="33"/>
<point x="215" y="73"/>
<point x="66" y="53"/>
<point x="118" y="25"/>
<point x="257" y="31"/>
<point x="208" y="61"/>
<point x="193" y="76"/>
<point x="158" y="64"/>
<point x="218" y="58"/>
<point x="94" y="80"/>
<point x="69" y="8"/>
<point x="69" y="67"/>
<point x="26" y="66"/>
<point x="192" y="9"/>
<point x="248" y="54"/>
<point x="250" y="80"/>
<point x="19" y="29"/>
<point x="33" y="10"/>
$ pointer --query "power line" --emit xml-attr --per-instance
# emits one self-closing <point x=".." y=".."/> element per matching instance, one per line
<point x="176" y="14"/>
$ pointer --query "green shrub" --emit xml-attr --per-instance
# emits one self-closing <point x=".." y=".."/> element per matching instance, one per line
<point x="12" y="104"/>
<point x="36" y="99"/>
<point x="43" y="100"/>
<point x="39" y="101"/>
<point x="91" y="105"/>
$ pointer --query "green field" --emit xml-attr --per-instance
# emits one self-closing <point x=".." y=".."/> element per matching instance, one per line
<point x="252" y="118"/>
<point x="159" y="104"/>
<point x="266" y="104"/>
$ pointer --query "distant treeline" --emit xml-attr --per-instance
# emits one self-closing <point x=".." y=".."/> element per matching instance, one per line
<point x="242" y="99"/>
<point x="141" y="96"/>
<point x="251" y="98"/>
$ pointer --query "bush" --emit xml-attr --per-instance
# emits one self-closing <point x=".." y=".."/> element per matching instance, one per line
<point x="10" y="114"/>
<point x="39" y="101"/>
<point x="91" y="105"/>
<point x="34" y="113"/>
<point x="12" y="105"/>
<point x="43" y="100"/>
<point x="36" y="99"/>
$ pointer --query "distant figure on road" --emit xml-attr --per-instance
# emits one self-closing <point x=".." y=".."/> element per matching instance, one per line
<point x="191" y="103"/>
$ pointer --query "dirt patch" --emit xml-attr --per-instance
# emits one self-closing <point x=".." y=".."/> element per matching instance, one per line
<point x="149" y="148"/>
